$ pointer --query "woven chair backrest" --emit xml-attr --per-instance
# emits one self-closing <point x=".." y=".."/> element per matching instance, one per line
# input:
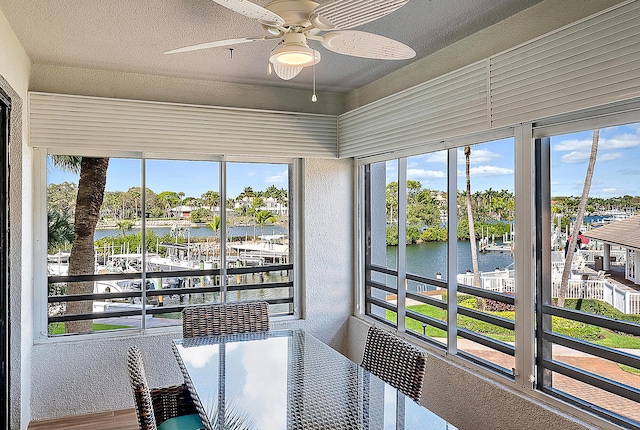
<point x="141" y="392"/>
<point x="395" y="361"/>
<point x="230" y="318"/>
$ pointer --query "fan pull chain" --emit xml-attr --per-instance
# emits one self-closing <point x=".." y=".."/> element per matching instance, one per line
<point x="314" y="98"/>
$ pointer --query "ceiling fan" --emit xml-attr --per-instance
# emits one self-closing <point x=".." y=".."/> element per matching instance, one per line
<point x="294" y="22"/>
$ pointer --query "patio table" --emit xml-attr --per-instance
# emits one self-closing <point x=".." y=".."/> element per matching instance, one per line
<point x="290" y="380"/>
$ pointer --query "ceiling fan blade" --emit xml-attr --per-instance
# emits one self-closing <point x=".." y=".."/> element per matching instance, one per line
<point x="345" y="14"/>
<point x="366" y="45"/>
<point x="216" y="44"/>
<point x="252" y="10"/>
<point x="286" y="72"/>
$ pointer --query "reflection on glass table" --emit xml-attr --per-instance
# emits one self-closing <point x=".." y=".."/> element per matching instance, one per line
<point x="290" y="380"/>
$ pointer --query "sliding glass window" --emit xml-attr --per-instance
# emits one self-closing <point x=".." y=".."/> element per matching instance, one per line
<point x="418" y="251"/>
<point x="131" y="241"/>
<point x="588" y="299"/>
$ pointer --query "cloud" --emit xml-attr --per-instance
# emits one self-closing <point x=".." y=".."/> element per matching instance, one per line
<point x="198" y="357"/>
<point x="487" y="171"/>
<point x="575" y="157"/>
<point x="631" y="172"/>
<point x="612" y="191"/>
<point x="610" y="156"/>
<point x="423" y="175"/>
<point x="437" y="157"/>
<point x="278" y="178"/>
<point x="623" y="141"/>
<point x="477" y="156"/>
<point x="251" y="173"/>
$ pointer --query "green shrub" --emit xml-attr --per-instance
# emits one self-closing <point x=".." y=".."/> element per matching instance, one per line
<point x="576" y="329"/>
<point x="600" y="308"/>
<point x="434" y="234"/>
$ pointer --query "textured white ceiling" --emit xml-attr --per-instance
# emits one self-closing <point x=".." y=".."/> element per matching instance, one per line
<point x="131" y="36"/>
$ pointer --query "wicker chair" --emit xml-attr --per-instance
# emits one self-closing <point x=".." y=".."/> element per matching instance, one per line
<point x="160" y="408"/>
<point x="395" y="361"/>
<point x="230" y="318"/>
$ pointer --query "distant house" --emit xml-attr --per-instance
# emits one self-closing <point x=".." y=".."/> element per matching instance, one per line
<point x="270" y="204"/>
<point x="622" y="233"/>
<point x="181" y="212"/>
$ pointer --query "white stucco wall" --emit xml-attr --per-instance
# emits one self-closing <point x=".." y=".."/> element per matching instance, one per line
<point x="14" y="78"/>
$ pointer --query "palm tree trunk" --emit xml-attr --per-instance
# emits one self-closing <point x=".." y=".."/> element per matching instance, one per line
<point x="472" y="229"/>
<point x="564" y="285"/>
<point x="93" y="178"/>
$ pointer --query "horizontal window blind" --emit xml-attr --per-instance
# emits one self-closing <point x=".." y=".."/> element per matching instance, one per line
<point x="451" y="105"/>
<point x="587" y="64"/>
<point x="115" y="124"/>
<point x="591" y="63"/>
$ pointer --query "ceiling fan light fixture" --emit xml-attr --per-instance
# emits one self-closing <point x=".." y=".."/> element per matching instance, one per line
<point x="294" y="52"/>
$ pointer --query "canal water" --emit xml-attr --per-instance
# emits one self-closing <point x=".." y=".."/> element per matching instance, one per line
<point x="427" y="259"/>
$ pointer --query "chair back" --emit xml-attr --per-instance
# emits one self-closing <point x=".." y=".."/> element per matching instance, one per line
<point x="395" y="361"/>
<point x="141" y="391"/>
<point x="228" y="318"/>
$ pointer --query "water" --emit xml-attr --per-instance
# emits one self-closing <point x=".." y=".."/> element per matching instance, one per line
<point x="247" y="231"/>
<point x="427" y="259"/>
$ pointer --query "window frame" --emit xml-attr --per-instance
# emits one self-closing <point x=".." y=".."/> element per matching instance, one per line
<point x="40" y="320"/>
<point x="523" y="267"/>
<point x="530" y="258"/>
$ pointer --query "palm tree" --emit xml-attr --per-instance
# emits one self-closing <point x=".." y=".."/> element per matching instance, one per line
<point x="91" y="186"/>
<point x="59" y="229"/>
<point x="211" y="199"/>
<point x="562" y="291"/>
<point x="472" y="230"/>
<point x="125" y="225"/>
<point x="215" y="224"/>
<point x="264" y="217"/>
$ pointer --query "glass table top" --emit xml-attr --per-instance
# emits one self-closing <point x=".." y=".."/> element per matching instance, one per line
<point x="291" y="380"/>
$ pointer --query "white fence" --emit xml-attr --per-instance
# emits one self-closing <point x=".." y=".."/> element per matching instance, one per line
<point x="625" y="301"/>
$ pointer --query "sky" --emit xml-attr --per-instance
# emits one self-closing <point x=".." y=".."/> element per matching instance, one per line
<point x="617" y="170"/>
<point x="193" y="178"/>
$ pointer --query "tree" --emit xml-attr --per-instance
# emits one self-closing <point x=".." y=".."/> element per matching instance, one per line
<point x="392" y="201"/>
<point x="246" y="192"/>
<point x="215" y="224"/>
<point x="472" y="231"/>
<point x="264" y="217"/>
<point x="133" y="202"/>
<point x="168" y="200"/>
<point x="201" y="215"/>
<point x="562" y="291"/>
<point x="210" y="199"/>
<point x="91" y="186"/>
<point x="59" y="229"/>
<point x="124" y="226"/>
<point x="61" y="198"/>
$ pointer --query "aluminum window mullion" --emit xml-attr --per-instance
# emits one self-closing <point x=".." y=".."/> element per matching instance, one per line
<point x="452" y="250"/>
<point x="402" y="245"/>
<point x="223" y="230"/>
<point x="524" y="255"/>
<point x="143" y="203"/>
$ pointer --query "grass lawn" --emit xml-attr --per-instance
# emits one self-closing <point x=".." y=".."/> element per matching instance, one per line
<point x="58" y="328"/>
<point x="578" y="330"/>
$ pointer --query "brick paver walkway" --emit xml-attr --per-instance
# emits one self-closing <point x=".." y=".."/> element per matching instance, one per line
<point x="608" y="369"/>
